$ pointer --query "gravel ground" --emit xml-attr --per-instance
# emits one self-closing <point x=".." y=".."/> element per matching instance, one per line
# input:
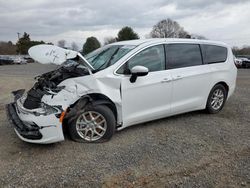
<point x="188" y="150"/>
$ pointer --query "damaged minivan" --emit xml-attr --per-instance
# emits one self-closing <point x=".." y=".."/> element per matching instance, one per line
<point x="119" y="85"/>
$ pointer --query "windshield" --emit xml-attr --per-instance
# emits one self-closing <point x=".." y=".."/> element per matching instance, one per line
<point x="107" y="55"/>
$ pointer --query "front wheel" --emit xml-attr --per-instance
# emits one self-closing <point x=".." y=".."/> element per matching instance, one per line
<point x="216" y="99"/>
<point x="93" y="124"/>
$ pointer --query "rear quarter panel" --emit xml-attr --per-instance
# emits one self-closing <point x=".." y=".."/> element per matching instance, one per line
<point x="225" y="72"/>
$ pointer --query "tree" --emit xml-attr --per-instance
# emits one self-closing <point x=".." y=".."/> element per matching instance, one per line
<point x="61" y="43"/>
<point x="74" y="46"/>
<point x="7" y="48"/>
<point x="90" y="45"/>
<point x="168" y="29"/>
<point x="127" y="33"/>
<point x="109" y="40"/>
<point x="195" y="36"/>
<point x="24" y="43"/>
<point x="245" y="50"/>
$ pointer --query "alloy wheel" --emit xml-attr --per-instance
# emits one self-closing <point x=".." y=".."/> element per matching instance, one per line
<point x="217" y="99"/>
<point x="91" y="126"/>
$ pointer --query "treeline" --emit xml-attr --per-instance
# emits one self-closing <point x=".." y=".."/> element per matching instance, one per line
<point x="21" y="47"/>
<point x="92" y="43"/>
<point x="7" y="48"/>
<point x="245" y="50"/>
<point x="24" y="43"/>
<point x="164" y="29"/>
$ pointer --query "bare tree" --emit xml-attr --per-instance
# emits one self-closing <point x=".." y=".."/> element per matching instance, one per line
<point x="195" y="36"/>
<point x="109" y="40"/>
<point x="245" y="51"/>
<point x="168" y="29"/>
<point x="7" y="48"/>
<point x="74" y="46"/>
<point x="61" y="43"/>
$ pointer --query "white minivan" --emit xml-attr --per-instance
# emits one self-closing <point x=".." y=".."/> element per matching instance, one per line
<point x="119" y="85"/>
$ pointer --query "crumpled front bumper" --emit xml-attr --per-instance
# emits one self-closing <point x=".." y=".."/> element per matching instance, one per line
<point x="26" y="131"/>
<point x="42" y="129"/>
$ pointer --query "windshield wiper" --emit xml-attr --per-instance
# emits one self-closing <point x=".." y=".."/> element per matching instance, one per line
<point x="109" y="61"/>
<point x="85" y="62"/>
<point x="97" y="57"/>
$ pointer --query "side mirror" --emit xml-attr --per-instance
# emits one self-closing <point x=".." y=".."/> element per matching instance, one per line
<point x="138" y="71"/>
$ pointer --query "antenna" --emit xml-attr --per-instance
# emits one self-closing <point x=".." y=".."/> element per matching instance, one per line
<point x="18" y="35"/>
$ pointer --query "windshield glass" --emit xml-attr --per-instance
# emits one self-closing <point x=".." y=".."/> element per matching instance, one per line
<point x="107" y="55"/>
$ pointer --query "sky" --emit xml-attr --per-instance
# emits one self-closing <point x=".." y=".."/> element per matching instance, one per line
<point x="75" y="20"/>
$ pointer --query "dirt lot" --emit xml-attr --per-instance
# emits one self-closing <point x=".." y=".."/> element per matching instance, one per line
<point x="189" y="150"/>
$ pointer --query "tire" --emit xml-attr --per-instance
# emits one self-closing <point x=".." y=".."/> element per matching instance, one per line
<point x="216" y="99"/>
<point x="82" y="123"/>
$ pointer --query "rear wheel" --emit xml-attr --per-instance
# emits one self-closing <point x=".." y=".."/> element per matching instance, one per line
<point x="93" y="124"/>
<point x="216" y="99"/>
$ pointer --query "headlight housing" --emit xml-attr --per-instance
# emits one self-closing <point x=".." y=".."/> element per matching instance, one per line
<point x="49" y="109"/>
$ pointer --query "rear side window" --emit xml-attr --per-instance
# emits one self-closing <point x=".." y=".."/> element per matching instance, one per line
<point x="183" y="55"/>
<point x="213" y="54"/>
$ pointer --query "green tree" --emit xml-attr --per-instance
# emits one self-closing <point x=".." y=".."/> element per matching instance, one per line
<point x="127" y="33"/>
<point x="90" y="45"/>
<point x="24" y="43"/>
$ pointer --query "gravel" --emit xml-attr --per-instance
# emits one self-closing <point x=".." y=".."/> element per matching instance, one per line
<point x="189" y="150"/>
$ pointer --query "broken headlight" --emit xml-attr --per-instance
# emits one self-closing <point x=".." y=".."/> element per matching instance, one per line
<point x="49" y="109"/>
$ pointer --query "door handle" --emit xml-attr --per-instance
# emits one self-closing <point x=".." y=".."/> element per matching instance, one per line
<point x="177" y="78"/>
<point x="166" y="80"/>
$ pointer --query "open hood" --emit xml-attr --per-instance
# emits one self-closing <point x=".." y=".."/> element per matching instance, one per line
<point x="51" y="54"/>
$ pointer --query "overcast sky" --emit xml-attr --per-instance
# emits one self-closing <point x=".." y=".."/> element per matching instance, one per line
<point x="75" y="20"/>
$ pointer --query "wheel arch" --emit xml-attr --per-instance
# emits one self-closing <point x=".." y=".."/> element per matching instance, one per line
<point x="224" y="84"/>
<point x="93" y="99"/>
<point x="98" y="99"/>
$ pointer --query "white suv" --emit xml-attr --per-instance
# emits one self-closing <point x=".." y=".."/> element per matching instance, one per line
<point x="119" y="85"/>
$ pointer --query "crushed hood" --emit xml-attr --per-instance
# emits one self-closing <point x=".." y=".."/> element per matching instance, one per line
<point x="50" y="54"/>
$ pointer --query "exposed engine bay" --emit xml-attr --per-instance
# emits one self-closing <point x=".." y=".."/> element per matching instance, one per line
<point x="47" y="83"/>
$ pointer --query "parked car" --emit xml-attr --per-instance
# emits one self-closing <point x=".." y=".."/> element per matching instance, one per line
<point x="245" y="62"/>
<point x="4" y="60"/>
<point x="120" y="85"/>
<point x="19" y="60"/>
<point x="29" y="60"/>
<point x="238" y="62"/>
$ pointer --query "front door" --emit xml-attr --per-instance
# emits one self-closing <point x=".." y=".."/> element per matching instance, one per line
<point x="149" y="97"/>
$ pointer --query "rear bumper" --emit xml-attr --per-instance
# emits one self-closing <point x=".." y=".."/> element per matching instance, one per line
<point x="35" y="129"/>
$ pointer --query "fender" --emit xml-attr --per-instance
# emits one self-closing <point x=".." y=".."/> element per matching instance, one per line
<point x="101" y="101"/>
<point x="88" y="100"/>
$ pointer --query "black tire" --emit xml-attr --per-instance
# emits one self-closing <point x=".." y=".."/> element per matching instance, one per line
<point x="105" y="111"/>
<point x="209" y="107"/>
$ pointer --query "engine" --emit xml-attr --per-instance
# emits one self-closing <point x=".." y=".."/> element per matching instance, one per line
<point x="47" y="83"/>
